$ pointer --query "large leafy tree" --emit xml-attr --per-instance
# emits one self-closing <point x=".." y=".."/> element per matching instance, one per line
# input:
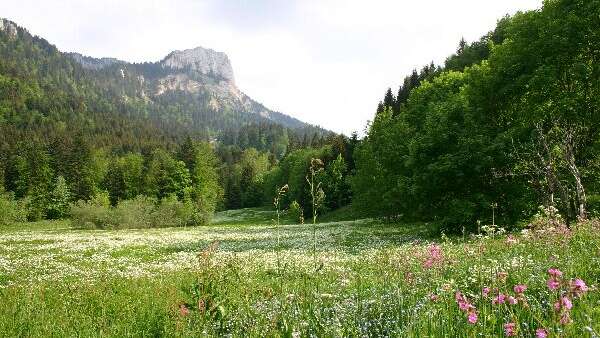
<point x="511" y="123"/>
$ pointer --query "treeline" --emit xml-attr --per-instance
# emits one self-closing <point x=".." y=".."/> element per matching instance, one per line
<point x="68" y="178"/>
<point x="48" y="178"/>
<point x="251" y="178"/>
<point x="509" y="123"/>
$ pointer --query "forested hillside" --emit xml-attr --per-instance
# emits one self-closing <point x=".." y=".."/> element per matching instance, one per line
<point x="75" y="128"/>
<point x="509" y="123"/>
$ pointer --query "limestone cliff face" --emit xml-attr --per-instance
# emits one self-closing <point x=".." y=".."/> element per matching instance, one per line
<point x="202" y="61"/>
<point x="8" y="27"/>
<point x="93" y="63"/>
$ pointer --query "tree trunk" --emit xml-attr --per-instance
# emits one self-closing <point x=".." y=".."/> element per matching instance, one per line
<point x="569" y="153"/>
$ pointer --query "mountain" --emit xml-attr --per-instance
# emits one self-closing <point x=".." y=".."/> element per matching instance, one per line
<point x="189" y="92"/>
<point x="200" y="73"/>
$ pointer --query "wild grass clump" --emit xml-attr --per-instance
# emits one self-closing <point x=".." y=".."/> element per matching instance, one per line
<point x="138" y="213"/>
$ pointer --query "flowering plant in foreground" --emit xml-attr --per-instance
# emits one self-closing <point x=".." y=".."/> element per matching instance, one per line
<point x="567" y="291"/>
<point x="466" y="306"/>
<point x="503" y="301"/>
<point x="434" y="258"/>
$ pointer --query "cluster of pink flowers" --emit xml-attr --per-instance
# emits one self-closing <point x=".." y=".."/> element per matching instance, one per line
<point x="510" y="329"/>
<point x="554" y="281"/>
<point x="541" y="333"/>
<point x="466" y="306"/>
<point x="578" y="287"/>
<point x="502" y="298"/>
<point x="568" y="289"/>
<point x="435" y="257"/>
<point x="574" y="288"/>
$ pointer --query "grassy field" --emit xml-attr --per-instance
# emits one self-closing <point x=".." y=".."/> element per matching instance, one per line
<point x="244" y="276"/>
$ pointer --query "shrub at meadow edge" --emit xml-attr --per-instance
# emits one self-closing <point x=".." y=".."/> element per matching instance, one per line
<point x="140" y="212"/>
<point x="12" y="210"/>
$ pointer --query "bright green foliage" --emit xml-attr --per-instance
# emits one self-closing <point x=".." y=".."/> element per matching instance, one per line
<point x="512" y="122"/>
<point x="335" y="185"/>
<point x="137" y="213"/>
<point x="11" y="210"/>
<point x="253" y="165"/>
<point x="206" y="191"/>
<point x="59" y="200"/>
<point x="166" y="176"/>
<point x="294" y="168"/>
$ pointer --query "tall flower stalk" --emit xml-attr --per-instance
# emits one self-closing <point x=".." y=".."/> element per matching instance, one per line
<point x="280" y="192"/>
<point x="317" y="197"/>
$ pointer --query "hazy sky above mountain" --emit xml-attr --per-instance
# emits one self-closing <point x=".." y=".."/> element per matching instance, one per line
<point x="326" y="62"/>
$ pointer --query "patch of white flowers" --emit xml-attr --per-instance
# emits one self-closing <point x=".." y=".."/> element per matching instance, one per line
<point x="88" y="255"/>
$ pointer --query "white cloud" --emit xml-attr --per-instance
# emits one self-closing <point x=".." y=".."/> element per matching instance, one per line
<point x="326" y="62"/>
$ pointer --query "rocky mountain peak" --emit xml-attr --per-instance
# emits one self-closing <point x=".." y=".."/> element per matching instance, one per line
<point x="8" y="27"/>
<point x="201" y="60"/>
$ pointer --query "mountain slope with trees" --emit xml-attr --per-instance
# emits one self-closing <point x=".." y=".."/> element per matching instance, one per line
<point x="105" y="132"/>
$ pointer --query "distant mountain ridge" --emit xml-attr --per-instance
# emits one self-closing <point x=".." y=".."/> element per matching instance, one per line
<point x="189" y="91"/>
<point x="93" y="63"/>
<point x="198" y="71"/>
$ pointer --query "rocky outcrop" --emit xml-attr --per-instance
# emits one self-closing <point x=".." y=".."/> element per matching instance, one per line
<point x="202" y="61"/>
<point x="9" y="27"/>
<point x="93" y="63"/>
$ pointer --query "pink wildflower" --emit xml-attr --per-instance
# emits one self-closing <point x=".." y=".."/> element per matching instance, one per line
<point x="465" y="306"/>
<point x="566" y="303"/>
<point x="578" y="287"/>
<point x="541" y="333"/>
<point x="435" y="251"/>
<point x="510" y="239"/>
<point x="435" y="256"/>
<point x="500" y="299"/>
<point x="433" y="297"/>
<point x="554" y="272"/>
<point x="520" y="288"/>
<point x="463" y="303"/>
<point x="553" y="284"/>
<point x="512" y="300"/>
<point x="510" y="329"/>
<point x="472" y="317"/>
<point x="563" y="303"/>
<point x="557" y="306"/>
<point x="485" y="292"/>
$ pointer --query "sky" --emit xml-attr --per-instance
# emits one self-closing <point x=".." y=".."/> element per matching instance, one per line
<point x="326" y="62"/>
